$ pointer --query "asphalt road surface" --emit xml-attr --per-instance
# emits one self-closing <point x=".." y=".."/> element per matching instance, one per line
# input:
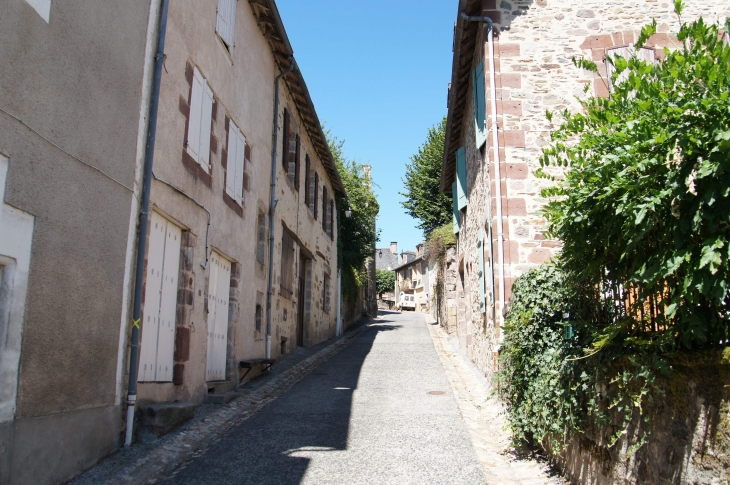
<point x="381" y="411"/>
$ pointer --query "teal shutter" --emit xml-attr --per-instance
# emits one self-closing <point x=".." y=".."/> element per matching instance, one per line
<point x="461" y="177"/>
<point x="456" y="208"/>
<point x="479" y="105"/>
<point x="480" y="250"/>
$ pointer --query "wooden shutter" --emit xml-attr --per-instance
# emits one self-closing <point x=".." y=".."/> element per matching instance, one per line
<point x="645" y="54"/>
<point x="226" y="21"/>
<point x="461" y="177"/>
<point x="315" y="196"/>
<point x="455" y="200"/>
<point x="297" y="164"/>
<point x="196" y="109"/>
<point x="206" y="122"/>
<point x="292" y="147"/>
<point x="324" y="208"/>
<point x="287" y="265"/>
<point x="479" y="104"/>
<point x="240" y="166"/>
<point x="233" y="134"/>
<point x="331" y="220"/>
<point x="481" y="273"/>
<point x="285" y="141"/>
<point x="307" y="183"/>
<point x="158" y="327"/>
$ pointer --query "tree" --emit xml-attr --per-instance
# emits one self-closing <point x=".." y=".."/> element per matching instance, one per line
<point x="357" y="234"/>
<point x="384" y="281"/>
<point x="424" y="200"/>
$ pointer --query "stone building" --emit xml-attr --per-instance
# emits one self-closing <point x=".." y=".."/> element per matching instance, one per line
<point x="412" y="279"/>
<point x="72" y="93"/>
<point x="496" y="127"/>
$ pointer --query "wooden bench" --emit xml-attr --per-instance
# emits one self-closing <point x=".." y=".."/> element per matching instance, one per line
<point x="249" y="364"/>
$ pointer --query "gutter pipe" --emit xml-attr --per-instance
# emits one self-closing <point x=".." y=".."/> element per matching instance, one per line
<point x="144" y="217"/>
<point x="497" y="161"/>
<point x="272" y="204"/>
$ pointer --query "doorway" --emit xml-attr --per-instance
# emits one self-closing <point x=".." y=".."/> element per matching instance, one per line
<point x="303" y="262"/>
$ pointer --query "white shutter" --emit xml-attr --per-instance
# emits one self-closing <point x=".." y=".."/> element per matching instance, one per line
<point x="206" y="114"/>
<point x="196" y="108"/>
<point x="233" y="147"/>
<point x="168" y="303"/>
<point x="158" y="327"/>
<point x="240" y="153"/>
<point x="153" y="287"/>
<point x="219" y="288"/>
<point x="226" y="21"/>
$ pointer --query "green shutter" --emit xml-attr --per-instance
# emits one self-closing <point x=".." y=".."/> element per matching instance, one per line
<point x="456" y="208"/>
<point x="461" y="177"/>
<point x="480" y="250"/>
<point x="479" y="105"/>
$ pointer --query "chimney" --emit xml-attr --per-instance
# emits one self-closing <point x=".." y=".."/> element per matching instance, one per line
<point x="394" y="247"/>
<point x="419" y="249"/>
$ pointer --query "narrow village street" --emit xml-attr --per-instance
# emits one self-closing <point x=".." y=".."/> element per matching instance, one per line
<point x="381" y="412"/>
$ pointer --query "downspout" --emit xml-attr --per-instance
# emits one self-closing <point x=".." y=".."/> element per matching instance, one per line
<point x="497" y="161"/>
<point x="144" y="217"/>
<point x="272" y="205"/>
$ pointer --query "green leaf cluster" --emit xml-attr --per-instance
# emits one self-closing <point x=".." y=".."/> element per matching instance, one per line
<point x="384" y="281"/>
<point x="423" y="199"/>
<point x="357" y="234"/>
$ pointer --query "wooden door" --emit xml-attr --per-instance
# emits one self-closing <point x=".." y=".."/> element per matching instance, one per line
<point x="219" y="284"/>
<point x="160" y="304"/>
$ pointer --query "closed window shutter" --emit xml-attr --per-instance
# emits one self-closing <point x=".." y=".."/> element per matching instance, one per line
<point x="479" y="104"/>
<point x="315" y="195"/>
<point x="332" y="219"/>
<point x="645" y="54"/>
<point x="226" y="21"/>
<point x="246" y="164"/>
<point x="297" y="164"/>
<point x="232" y="156"/>
<point x="196" y="109"/>
<point x="324" y="208"/>
<point x="480" y="250"/>
<point x="285" y="141"/>
<point x="240" y="165"/>
<point x="461" y="177"/>
<point x="307" y="184"/>
<point x="454" y="198"/>
<point x="206" y="119"/>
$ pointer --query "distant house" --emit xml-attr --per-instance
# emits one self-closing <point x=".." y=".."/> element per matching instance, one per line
<point x="412" y="279"/>
<point x="387" y="258"/>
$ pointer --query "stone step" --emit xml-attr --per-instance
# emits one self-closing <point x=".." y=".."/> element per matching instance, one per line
<point x="221" y="398"/>
<point x="158" y="419"/>
<point x="220" y="387"/>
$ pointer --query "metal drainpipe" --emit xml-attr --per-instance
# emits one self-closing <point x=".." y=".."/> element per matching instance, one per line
<point x="497" y="171"/>
<point x="144" y="216"/>
<point x="272" y="205"/>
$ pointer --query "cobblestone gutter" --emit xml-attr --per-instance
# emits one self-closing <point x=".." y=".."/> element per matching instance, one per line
<point x="191" y="440"/>
<point x="485" y="420"/>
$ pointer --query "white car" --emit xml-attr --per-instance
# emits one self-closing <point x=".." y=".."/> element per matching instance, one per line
<point x="407" y="302"/>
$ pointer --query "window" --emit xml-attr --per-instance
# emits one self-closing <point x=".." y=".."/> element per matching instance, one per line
<point x="200" y="121"/>
<point x="287" y="265"/>
<point x="290" y="149"/>
<point x="226" y="22"/>
<point x="327" y="295"/>
<point x="261" y="238"/>
<point x="324" y="208"/>
<point x="331" y="219"/>
<point x="315" y="194"/>
<point x="461" y="188"/>
<point x="479" y="104"/>
<point x="307" y="182"/>
<point x="258" y="320"/>
<point x="236" y="162"/>
<point x="627" y="52"/>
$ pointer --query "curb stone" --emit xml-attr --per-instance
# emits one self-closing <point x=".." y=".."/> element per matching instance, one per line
<point x="191" y="441"/>
<point x="486" y="422"/>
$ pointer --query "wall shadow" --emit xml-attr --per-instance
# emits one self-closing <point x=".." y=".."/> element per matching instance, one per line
<point x="312" y="417"/>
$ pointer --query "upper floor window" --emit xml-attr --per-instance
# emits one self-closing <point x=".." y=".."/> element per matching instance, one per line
<point x="290" y="149"/>
<point x="226" y="22"/>
<point x="200" y="121"/>
<point x="236" y="162"/>
<point x="627" y="52"/>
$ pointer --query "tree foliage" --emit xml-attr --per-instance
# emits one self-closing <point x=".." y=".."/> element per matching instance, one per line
<point x="357" y="234"/>
<point x="424" y="201"/>
<point x="644" y="215"/>
<point x="384" y="281"/>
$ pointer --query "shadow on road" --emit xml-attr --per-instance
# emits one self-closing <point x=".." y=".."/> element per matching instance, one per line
<point x="313" y="417"/>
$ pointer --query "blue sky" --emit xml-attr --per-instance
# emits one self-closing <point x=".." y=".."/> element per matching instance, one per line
<point x="378" y="73"/>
